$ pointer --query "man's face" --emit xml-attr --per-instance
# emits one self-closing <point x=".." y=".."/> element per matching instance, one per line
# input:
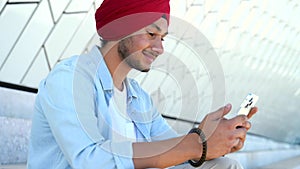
<point x="143" y="47"/>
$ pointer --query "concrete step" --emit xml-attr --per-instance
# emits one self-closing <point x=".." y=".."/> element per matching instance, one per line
<point x="13" y="166"/>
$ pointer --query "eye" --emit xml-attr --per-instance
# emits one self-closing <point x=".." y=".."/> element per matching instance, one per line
<point x="154" y="35"/>
<point x="151" y="34"/>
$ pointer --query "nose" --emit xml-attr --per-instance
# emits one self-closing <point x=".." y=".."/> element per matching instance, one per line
<point x="157" y="46"/>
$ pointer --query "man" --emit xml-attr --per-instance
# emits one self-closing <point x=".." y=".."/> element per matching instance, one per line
<point x="88" y="114"/>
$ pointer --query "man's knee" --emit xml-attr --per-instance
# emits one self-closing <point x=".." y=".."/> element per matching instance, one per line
<point x="223" y="163"/>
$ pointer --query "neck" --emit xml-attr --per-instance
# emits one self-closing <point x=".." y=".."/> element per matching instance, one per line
<point x="116" y="66"/>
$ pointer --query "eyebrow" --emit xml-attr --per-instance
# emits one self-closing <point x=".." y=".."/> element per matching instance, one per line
<point x="158" y="28"/>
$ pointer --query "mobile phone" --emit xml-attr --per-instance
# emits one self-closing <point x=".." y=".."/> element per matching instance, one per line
<point x="247" y="104"/>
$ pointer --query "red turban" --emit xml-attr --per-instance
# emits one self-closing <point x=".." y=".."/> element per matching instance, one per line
<point x="116" y="19"/>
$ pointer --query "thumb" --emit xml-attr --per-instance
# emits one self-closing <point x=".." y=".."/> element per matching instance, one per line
<point x="221" y="112"/>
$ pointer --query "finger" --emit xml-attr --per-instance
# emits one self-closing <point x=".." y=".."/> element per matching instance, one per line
<point x="240" y="133"/>
<point x="247" y="125"/>
<point x="252" y="112"/>
<point x="221" y="112"/>
<point x="238" y="146"/>
<point x="238" y="121"/>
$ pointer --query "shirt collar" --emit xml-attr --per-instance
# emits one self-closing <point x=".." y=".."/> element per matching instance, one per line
<point x="130" y="89"/>
<point x="103" y="72"/>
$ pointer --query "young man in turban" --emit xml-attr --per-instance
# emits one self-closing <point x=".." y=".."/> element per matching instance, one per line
<point x="88" y="114"/>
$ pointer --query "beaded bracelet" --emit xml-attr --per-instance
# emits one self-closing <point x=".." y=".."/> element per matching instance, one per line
<point x="204" y="147"/>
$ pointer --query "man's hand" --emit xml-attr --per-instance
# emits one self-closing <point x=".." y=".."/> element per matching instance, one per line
<point x="225" y="135"/>
<point x="246" y="126"/>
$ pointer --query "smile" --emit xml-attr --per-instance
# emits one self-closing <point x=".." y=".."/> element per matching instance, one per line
<point x="149" y="56"/>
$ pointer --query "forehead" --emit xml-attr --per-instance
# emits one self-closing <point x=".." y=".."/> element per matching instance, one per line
<point x="160" y="25"/>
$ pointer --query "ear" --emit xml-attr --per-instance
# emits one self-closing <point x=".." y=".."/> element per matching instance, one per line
<point x="109" y="47"/>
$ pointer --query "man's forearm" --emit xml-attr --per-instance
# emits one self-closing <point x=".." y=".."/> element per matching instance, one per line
<point x="166" y="153"/>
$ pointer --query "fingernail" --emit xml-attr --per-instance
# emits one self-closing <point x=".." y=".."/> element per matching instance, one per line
<point x="228" y="106"/>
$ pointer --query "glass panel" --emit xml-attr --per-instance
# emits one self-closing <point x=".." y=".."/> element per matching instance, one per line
<point x="10" y="31"/>
<point x="28" y="46"/>
<point x="180" y="127"/>
<point x="208" y="25"/>
<point x="221" y="34"/>
<point x="198" y="1"/>
<point x="80" y="5"/>
<point x="178" y="9"/>
<point x="93" y="41"/>
<point x="82" y="37"/>
<point x="162" y="87"/>
<point x="294" y="16"/>
<point x="2" y="4"/>
<point x="225" y="12"/>
<point x="62" y="35"/>
<point x="37" y="71"/>
<point x="195" y="15"/>
<point x="98" y="3"/>
<point x="212" y="5"/>
<point x="57" y="7"/>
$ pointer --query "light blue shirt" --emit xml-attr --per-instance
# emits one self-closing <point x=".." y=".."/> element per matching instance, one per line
<point x="71" y="126"/>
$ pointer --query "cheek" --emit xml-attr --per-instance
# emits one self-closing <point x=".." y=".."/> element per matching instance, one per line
<point x="140" y="43"/>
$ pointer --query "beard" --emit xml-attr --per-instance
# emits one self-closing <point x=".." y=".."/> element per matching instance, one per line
<point x="128" y="56"/>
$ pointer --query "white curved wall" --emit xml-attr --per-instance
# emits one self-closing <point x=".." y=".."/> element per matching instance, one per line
<point x="257" y="44"/>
